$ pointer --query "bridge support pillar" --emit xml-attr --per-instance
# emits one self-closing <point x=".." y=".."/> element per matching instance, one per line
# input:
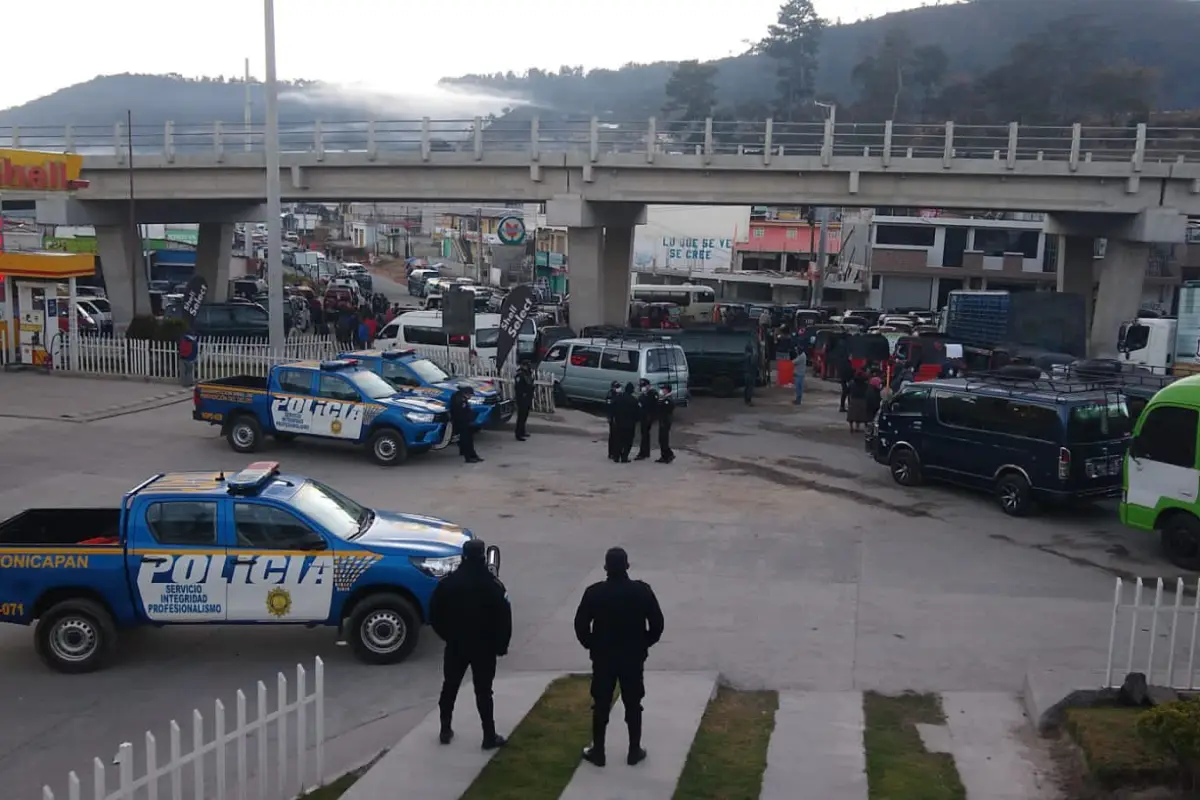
<point x="1120" y="274"/>
<point x="1076" y="273"/>
<point x="124" y="272"/>
<point x="214" y="252"/>
<point x="600" y="254"/>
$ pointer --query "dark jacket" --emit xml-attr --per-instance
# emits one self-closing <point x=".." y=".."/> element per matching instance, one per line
<point x="460" y="408"/>
<point x="626" y="409"/>
<point x="666" y="411"/>
<point x="523" y="388"/>
<point x="618" y="618"/>
<point x="469" y="610"/>
<point x="648" y="405"/>
<point x="610" y="404"/>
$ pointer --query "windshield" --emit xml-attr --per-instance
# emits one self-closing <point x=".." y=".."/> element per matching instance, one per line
<point x="100" y="304"/>
<point x="487" y="337"/>
<point x="427" y="371"/>
<point x="1133" y="337"/>
<point x="371" y="384"/>
<point x="1099" y="422"/>
<point x="335" y="512"/>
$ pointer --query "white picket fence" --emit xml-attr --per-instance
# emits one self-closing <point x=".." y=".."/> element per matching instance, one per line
<point x="290" y="773"/>
<point x="459" y="363"/>
<point x="224" y="357"/>
<point x="218" y="357"/>
<point x="1154" y="636"/>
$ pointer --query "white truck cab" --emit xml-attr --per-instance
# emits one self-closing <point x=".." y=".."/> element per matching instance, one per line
<point x="1148" y="341"/>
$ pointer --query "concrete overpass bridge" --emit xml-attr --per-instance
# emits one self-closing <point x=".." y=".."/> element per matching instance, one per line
<point x="1131" y="185"/>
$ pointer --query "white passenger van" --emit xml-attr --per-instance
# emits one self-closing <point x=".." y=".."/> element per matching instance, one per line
<point x="425" y="328"/>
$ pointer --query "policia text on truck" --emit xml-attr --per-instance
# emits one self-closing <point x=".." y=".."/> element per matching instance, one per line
<point x="255" y="548"/>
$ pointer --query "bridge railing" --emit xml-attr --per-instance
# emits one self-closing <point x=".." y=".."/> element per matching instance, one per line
<point x="710" y="138"/>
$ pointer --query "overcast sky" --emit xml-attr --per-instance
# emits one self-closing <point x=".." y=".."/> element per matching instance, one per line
<point x="386" y="45"/>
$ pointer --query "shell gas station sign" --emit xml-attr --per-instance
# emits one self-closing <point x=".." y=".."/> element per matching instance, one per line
<point x="29" y="280"/>
<point x="34" y="171"/>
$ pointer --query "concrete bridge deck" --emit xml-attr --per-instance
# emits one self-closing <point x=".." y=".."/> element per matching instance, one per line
<point x="1076" y="168"/>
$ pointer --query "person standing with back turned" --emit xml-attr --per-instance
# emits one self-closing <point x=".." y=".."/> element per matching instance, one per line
<point x="617" y="622"/>
<point x="469" y="610"/>
<point x="523" y="389"/>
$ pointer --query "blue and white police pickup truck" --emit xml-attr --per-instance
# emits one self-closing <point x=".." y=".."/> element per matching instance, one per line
<point x="337" y="400"/>
<point x="254" y="548"/>
<point x="417" y="376"/>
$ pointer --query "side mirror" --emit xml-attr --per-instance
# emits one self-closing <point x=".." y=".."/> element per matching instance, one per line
<point x="492" y="557"/>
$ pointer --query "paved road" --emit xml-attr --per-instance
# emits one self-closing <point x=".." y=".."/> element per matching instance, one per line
<point x="783" y="557"/>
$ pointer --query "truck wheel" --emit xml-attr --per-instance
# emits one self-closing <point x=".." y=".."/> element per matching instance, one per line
<point x="383" y="629"/>
<point x="244" y="434"/>
<point x="75" y="636"/>
<point x="387" y="447"/>
<point x="1013" y="495"/>
<point x="1180" y="533"/>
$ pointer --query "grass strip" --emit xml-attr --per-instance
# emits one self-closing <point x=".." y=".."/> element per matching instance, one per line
<point x="898" y="766"/>
<point x="332" y="791"/>
<point x="1116" y="756"/>
<point x="729" y="754"/>
<point x="544" y="750"/>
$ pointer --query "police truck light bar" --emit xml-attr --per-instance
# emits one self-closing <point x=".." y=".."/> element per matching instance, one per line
<point x="392" y="354"/>
<point x="341" y="363"/>
<point x="253" y="477"/>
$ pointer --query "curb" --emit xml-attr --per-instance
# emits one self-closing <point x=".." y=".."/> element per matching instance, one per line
<point x="1047" y="693"/>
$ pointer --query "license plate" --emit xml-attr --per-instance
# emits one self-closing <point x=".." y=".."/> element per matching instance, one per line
<point x="1103" y="467"/>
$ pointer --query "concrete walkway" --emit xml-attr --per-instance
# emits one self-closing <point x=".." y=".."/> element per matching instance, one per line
<point x="817" y="744"/>
<point x="421" y="767"/>
<point x="674" y="704"/>
<point x="984" y="733"/>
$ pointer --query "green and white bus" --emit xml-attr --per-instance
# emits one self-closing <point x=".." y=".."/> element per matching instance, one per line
<point x="1162" y="473"/>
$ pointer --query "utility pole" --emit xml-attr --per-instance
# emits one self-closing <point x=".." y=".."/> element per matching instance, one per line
<point x="822" y="243"/>
<point x="278" y="336"/>
<point x="479" y="245"/>
<point x="135" y="258"/>
<point x="249" y="113"/>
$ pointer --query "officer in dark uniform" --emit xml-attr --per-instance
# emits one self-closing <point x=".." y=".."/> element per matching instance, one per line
<point x="648" y="403"/>
<point x="463" y="420"/>
<point x="469" y="610"/>
<point x="618" y="621"/>
<point x="666" y="413"/>
<point x="610" y="405"/>
<point x="523" y="389"/>
<point x="627" y="413"/>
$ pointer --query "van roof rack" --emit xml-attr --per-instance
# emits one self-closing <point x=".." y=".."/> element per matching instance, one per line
<point x="1020" y="384"/>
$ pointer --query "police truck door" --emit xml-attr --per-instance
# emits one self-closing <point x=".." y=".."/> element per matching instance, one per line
<point x="179" y="565"/>
<point x="280" y="569"/>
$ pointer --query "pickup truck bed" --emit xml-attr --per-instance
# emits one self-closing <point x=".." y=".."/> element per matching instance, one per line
<point x="57" y="527"/>
<point x="240" y="382"/>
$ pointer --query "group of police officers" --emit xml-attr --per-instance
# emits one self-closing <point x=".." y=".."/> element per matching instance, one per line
<point x="635" y="411"/>
<point x="617" y="622"/>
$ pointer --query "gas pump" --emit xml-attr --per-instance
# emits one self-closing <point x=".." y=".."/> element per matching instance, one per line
<point x="35" y="327"/>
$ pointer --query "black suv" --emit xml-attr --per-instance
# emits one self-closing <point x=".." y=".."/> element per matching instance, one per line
<point x="1023" y="439"/>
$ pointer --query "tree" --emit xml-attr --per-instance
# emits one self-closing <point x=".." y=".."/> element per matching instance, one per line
<point x="899" y="80"/>
<point x="793" y="43"/>
<point x="691" y="96"/>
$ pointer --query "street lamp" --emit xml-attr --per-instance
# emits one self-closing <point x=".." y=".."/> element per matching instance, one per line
<point x="274" y="202"/>
<point x="816" y="290"/>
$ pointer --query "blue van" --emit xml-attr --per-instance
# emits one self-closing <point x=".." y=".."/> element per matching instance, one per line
<point x="1025" y="440"/>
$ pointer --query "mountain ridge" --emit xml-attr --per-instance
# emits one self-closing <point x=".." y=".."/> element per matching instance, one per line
<point x="976" y="36"/>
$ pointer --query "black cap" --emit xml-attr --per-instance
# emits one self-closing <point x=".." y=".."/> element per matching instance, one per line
<point x="616" y="560"/>
<point x="474" y="550"/>
<point x="644" y="382"/>
<point x="616" y="384"/>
